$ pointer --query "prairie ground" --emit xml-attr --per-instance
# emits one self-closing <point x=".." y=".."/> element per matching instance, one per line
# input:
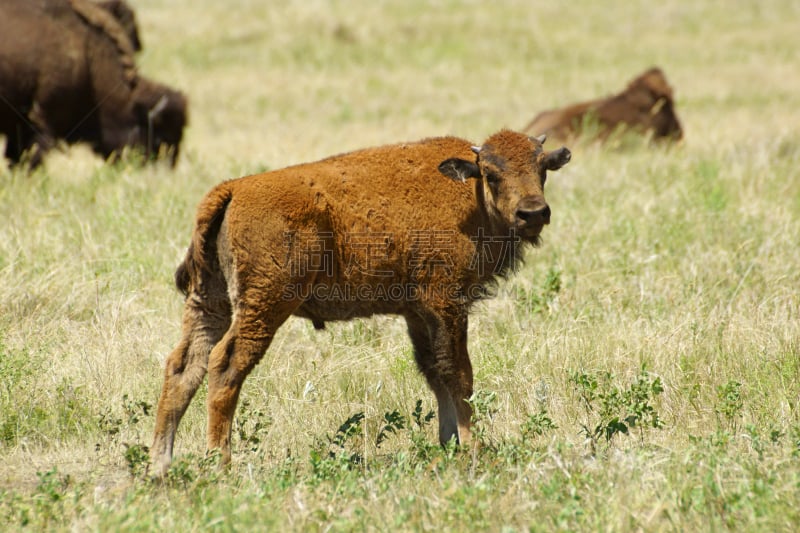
<point x="640" y="372"/>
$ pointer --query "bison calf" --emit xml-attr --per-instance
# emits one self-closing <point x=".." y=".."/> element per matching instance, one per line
<point x="646" y="105"/>
<point x="419" y="230"/>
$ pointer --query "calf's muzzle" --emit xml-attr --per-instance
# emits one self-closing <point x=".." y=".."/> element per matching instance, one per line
<point x="532" y="211"/>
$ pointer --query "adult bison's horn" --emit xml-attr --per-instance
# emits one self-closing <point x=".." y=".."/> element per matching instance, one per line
<point x="159" y="107"/>
<point x="151" y="116"/>
<point x="541" y="138"/>
<point x="476" y="149"/>
<point x="557" y="158"/>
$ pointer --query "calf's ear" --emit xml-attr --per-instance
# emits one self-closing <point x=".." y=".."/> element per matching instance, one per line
<point x="557" y="158"/>
<point x="459" y="169"/>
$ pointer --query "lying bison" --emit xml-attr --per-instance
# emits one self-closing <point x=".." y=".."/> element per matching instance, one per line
<point x="646" y="105"/>
<point x="419" y="230"/>
<point x="67" y="72"/>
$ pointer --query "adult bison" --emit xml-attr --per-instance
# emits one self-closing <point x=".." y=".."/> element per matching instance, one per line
<point x="419" y="230"/>
<point x="646" y="105"/>
<point x="67" y="72"/>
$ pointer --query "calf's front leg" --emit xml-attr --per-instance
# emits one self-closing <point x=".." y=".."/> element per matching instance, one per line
<point x="440" y="350"/>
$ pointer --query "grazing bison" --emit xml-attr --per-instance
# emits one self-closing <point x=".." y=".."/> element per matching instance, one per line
<point x="126" y="18"/>
<point x="646" y="105"/>
<point x="420" y="230"/>
<point x="67" y="72"/>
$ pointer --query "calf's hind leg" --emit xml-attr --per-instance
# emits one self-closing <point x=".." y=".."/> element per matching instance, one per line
<point x="203" y="327"/>
<point x="240" y="349"/>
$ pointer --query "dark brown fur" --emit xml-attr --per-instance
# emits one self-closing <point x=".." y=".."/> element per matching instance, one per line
<point x="646" y="105"/>
<point x="126" y="17"/>
<point x="432" y="218"/>
<point x="67" y="72"/>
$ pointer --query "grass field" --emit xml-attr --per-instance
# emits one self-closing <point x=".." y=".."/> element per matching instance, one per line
<point x="641" y="372"/>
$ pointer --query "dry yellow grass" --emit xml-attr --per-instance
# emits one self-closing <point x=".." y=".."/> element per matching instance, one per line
<point x="682" y="260"/>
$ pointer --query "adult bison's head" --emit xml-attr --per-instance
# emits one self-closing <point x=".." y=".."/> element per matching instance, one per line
<point x="512" y="168"/>
<point x="651" y="96"/>
<point x="161" y="116"/>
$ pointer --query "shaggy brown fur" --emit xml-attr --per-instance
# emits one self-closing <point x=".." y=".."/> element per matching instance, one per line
<point x="67" y="72"/>
<point x="126" y="18"/>
<point x="646" y="105"/>
<point x="417" y="230"/>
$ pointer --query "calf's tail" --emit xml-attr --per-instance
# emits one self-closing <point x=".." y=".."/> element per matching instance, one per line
<point x="201" y="256"/>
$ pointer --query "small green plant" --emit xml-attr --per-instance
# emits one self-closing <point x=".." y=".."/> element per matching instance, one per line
<point x="421" y="420"/>
<point x="137" y="457"/>
<point x="191" y="470"/>
<point x="537" y="425"/>
<point x="336" y="455"/>
<point x="730" y="404"/>
<point x="181" y="472"/>
<point x="18" y="369"/>
<point x="349" y="429"/>
<point x="393" y="422"/>
<point x="484" y="408"/>
<point x="331" y="458"/>
<point x="122" y="427"/>
<point x="133" y="412"/>
<point x="109" y="424"/>
<point x="423" y="448"/>
<point x="70" y="409"/>
<point x="51" y="496"/>
<point x="758" y="442"/>
<point x="52" y="486"/>
<point x="251" y="424"/>
<point x="794" y="436"/>
<point x="539" y="299"/>
<point x="612" y="410"/>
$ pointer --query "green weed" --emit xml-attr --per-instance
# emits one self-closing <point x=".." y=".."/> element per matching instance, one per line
<point x="730" y="403"/>
<point x="540" y="299"/>
<point x="614" y="410"/>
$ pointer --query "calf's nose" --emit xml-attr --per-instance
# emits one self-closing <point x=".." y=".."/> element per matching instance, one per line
<point x="533" y="212"/>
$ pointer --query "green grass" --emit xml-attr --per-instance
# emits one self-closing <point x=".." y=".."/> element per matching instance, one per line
<point x="641" y="372"/>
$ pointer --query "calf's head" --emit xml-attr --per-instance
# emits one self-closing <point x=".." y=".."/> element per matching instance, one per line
<point x="512" y="169"/>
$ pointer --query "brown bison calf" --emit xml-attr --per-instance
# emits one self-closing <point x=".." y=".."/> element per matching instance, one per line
<point x="420" y="230"/>
<point x="646" y="105"/>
